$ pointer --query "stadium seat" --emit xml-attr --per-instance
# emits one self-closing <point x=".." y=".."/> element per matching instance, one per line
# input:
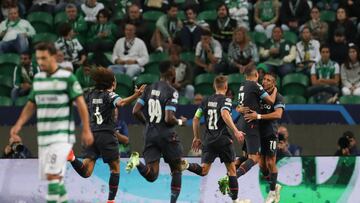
<point x="6" y="84"/>
<point x="157" y="57"/>
<point x="234" y="81"/>
<point x="60" y="17"/>
<point x="350" y="99"/>
<point x="291" y="37"/>
<point x="184" y="101"/>
<point x="8" y="63"/>
<point x="208" y="15"/>
<point x="124" y="86"/>
<point x="41" y="21"/>
<point x="211" y="4"/>
<point x="152" y="68"/>
<point x="5" y="101"/>
<point x="259" y="38"/>
<point x="21" y="101"/>
<point x="43" y="37"/>
<point x="294" y="99"/>
<point x="295" y="84"/>
<point x="118" y="16"/>
<point x="204" y="83"/>
<point x="146" y="79"/>
<point x="181" y="15"/>
<point x="328" y="16"/>
<point x="152" y="15"/>
<point x="188" y="56"/>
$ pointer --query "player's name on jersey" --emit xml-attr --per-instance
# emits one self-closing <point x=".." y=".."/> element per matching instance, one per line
<point x="97" y="101"/>
<point x="212" y="104"/>
<point x="155" y="92"/>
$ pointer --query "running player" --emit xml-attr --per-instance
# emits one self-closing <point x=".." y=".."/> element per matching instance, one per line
<point x="52" y="94"/>
<point x="102" y="101"/>
<point x="269" y="115"/>
<point x="217" y="141"/>
<point x="159" y="101"/>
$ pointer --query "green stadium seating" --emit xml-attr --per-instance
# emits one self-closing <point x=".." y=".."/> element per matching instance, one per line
<point x="152" y="68"/>
<point x="328" y="16"/>
<point x="234" y="82"/>
<point x="291" y="37"/>
<point x="146" y="79"/>
<point x="312" y="100"/>
<point x="124" y="86"/>
<point x="208" y="15"/>
<point x="60" y="17"/>
<point x="5" y="101"/>
<point x="204" y="83"/>
<point x="6" y="84"/>
<point x="44" y="37"/>
<point x="181" y="15"/>
<point x="21" y="101"/>
<point x="259" y="38"/>
<point x="152" y="15"/>
<point x="188" y="56"/>
<point x="118" y="16"/>
<point x="294" y="99"/>
<point x="7" y="64"/>
<point x="41" y="21"/>
<point x="184" y="101"/>
<point x="295" y="84"/>
<point x="211" y="5"/>
<point x="157" y="57"/>
<point x="350" y="99"/>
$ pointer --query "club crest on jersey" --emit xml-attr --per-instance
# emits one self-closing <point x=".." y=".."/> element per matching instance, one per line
<point x="77" y="87"/>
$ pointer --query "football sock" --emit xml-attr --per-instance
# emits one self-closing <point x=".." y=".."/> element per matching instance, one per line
<point x="146" y="172"/>
<point x="234" y="187"/>
<point x="265" y="172"/>
<point x="245" y="167"/>
<point x="272" y="180"/>
<point x="175" y="186"/>
<point x="53" y="191"/>
<point x="62" y="193"/>
<point x="195" y="168"/>
<point x="79" y="168"/>
<point x="113" y="185"/>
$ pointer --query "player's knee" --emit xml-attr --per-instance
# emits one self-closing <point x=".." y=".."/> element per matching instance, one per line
<point x="152" y="177"/>
<point x="204" y="171"/>
<point x="53" y="177"/>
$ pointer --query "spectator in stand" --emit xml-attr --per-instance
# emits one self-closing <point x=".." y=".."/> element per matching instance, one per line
<point x="307" y="52"/>
<point x="352" y="143"/>
<point x="239" y="10"/>
<point x="327" y="4"/>
<point x="23" y="76"/>
<point x="167" y="28"/>
<point x="91" y="8"/>
<point x="352" y="7"/>
<point x="223" y="27"/>
<point x="242" y="52"/>
<point x="344" y="24"/>
<point x="133" y="16"/>
<point x="62" y="63"/>
<point x="101" y="37"/>
<point x="130" y="54"/>
<point x="208" y="55"/>
<point x="190" y="34"/>
<point x="293" y="14"/>
<point x="266" y="15"/>
<point x="325" y="78"/>
<point x="339" y="47"/>
<point x="47" y="6"/>
<point x="77" y="22"/>
<point x="350" y="72"/>
<point x="70" y="46"/>
<point x="343" y="147"/>
<point x="15" y="33"/>
<point x="294" y="150"/>
<point x="278" y="53"/>
<point x="83" y="75"/>
<point x="5" y="5"/>
<point x="184" y="73"/>
<point x="282" y="148"/>
<point x="318" y="28"/>
<point x="160" y="5"/>
<point x="63" y="3"/>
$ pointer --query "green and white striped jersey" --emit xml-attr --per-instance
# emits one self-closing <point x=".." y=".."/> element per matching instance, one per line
<point x="53" y="95"/>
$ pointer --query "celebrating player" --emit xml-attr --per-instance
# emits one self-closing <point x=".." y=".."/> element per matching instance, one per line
<point x="101" y="103"/>
<point x="217" y="141"/>
<point x="159" y="101"/>
<point x="52" y="94"/>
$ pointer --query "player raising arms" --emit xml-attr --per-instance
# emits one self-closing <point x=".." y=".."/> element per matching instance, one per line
<point x="159" y="102"/>
<point x="102" y="101"/>
<point x="217" y="141"/>
<point x="52" y="94"/>
<point x="268" y="115"/>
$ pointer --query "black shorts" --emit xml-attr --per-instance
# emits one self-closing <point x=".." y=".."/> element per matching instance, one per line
<point x="224" y="151"/>
<point x="269" y="145"/>
<point x="105" y="146"/>
<point x="164" y="143"/>
<point x="252" y="137"/>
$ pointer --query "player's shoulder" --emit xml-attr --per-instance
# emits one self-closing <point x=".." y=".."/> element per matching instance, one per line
<point x="62" y="73"/>
<point x="279" y="97"/>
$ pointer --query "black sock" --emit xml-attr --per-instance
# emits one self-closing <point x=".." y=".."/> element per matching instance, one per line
<point x="146" y="172"/>
<point x="245" y="167"/>
<point x="79" y="168"/>
<point x="272" y="181"/>
<point x="175" y="186"/>
<point x="234" y="187"/>
<point x="195" y="168"/>
<point x="113" y="185"/>
<point x="265" y="172"/>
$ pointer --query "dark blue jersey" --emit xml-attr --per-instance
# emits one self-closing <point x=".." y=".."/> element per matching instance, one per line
<point x="250" y="94"/>
<point x="269" y="127"/>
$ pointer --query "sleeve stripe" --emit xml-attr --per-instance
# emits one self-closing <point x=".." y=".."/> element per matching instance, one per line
<point x="140" y="101"/>
<point x="265" y="94"/>
<point x="226" y="108"/>
<point x="279" y="106"/>
<point x="228" y="104"/>
<point x="116" y="100"/>
<point x="170" y="108"/>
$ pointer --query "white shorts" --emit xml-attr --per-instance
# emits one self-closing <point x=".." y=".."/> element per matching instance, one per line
<point x="53" y="158"/>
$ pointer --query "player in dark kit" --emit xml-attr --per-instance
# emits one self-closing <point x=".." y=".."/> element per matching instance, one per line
<point x="269" y="115"/>
<point x="159" y="102"/>
<point x="101" y="103"/>
<point x="217" y="141"/>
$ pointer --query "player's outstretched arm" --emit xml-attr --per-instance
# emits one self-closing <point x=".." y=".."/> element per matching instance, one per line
<point x="275" y="115"/>
<point x="196" y="143"/>
<point x="25" y="115"/>
<point x="138" y="114"/>
<point x="270" y="99"/>
<point x="130" y="99"/>
<point x="86" y="135"/>
<point x="225" y="114"/>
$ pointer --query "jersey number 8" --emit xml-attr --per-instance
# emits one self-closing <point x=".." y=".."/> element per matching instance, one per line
<point x="154" y="110"/>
